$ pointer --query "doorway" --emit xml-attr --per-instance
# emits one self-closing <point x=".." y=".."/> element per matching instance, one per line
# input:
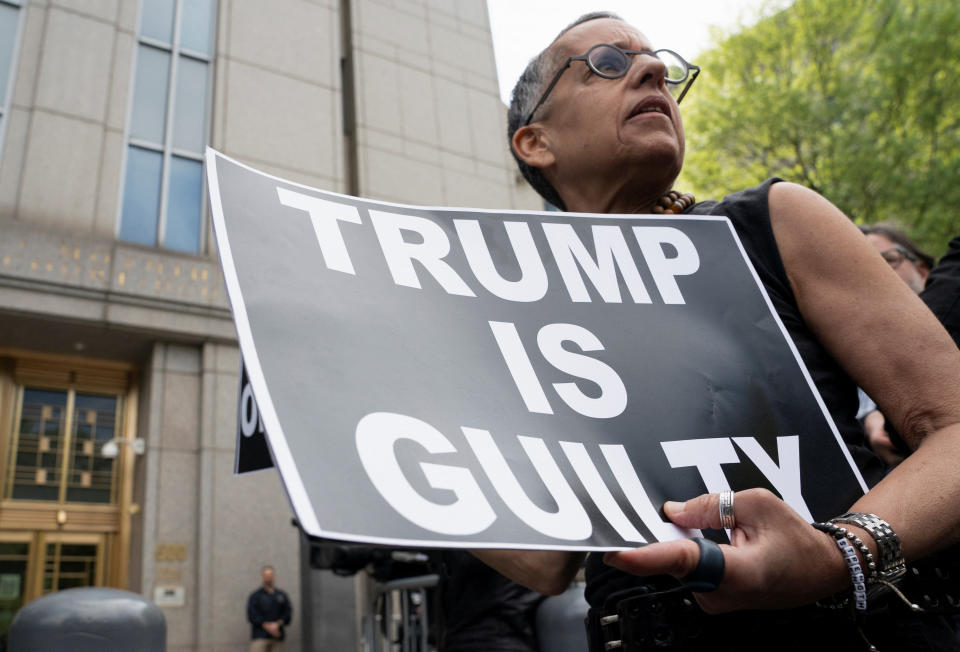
<point x="65" y="496"/>
<point x="33" y="564"/>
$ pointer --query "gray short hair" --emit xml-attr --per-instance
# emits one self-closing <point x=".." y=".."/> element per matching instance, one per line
<point x="527" y="91"/>
<point x="898" y="236"/>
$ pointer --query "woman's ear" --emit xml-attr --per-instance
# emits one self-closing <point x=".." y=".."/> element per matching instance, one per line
<point x="532" y="146"/>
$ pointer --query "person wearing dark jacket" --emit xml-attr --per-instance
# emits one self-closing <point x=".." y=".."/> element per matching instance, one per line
<point x="268" y="610"/>
<point x="480" y="610"/>
<point x="942" y="291"/>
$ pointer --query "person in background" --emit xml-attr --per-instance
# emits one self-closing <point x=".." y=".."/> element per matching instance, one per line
<point x="480" y="610"/>
<point x="911" y="263"/>
<point x="942" y="292"/>
<point x="269" y="611"/>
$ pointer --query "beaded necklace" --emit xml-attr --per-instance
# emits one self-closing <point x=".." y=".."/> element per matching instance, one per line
<point x="674" y="202"/>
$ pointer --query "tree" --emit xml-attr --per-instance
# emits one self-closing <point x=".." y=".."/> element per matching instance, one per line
<point x="856" y="99"/>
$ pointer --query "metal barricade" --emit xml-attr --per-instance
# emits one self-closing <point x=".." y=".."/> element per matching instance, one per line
<point x="397" y="619"/>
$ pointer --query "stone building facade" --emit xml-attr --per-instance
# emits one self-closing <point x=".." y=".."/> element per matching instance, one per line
<point x="114" y="324"/>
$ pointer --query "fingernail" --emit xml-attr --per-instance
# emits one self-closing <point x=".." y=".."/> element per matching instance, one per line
<point x="673" y="508"/>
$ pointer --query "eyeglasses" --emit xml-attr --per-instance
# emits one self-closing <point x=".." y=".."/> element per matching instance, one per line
<point x="610" y="62"/>
<point x="896" y="255"/>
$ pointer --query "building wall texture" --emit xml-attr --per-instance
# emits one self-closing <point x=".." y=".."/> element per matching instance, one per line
<point x="424" y="125"/>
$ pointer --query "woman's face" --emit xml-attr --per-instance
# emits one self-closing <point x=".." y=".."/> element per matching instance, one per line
<point x="623" y="130"/>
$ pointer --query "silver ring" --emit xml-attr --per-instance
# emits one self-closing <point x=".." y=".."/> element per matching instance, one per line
<point x="727" y="520"/>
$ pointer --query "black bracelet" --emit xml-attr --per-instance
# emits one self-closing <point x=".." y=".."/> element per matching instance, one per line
<point x="838" y="532"/>
<point x="859" y="579"/>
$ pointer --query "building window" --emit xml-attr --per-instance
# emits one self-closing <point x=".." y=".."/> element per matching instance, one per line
<point x="56" y="453"/>
<point x="11" y="18"/>
<point x="163" y="182"/>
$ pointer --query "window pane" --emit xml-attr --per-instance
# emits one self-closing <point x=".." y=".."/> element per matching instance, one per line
<point x="9" y="18"/>
<point x="156" y="19"/>
<point x="189" y="115"/>
<point x="196" y="25"/>
<point x="150" y="95"/>
<point x="90" y="476"/>
<point x="184" y="205"/>
<point x="36" y="461"/>
<point x="141" y="196"/>
<point x="69" y="566"/>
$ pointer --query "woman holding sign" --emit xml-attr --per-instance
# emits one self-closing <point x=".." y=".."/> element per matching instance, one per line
<point x="595" y="127"/>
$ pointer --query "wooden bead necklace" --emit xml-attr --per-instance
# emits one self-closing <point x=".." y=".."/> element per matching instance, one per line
<point x="674" y="202"/>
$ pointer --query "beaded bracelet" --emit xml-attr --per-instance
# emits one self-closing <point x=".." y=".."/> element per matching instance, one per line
<point x="878" y="580"/>
<point x="846" y="540"/>
<point x="856" y="574"/>
<point x="839" y="532"/>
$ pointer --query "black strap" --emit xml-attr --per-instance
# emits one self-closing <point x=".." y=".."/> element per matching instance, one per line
<point x="708" y="574"/>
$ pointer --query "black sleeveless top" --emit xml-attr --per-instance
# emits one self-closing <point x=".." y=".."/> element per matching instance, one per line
<point x="748" y="210"/>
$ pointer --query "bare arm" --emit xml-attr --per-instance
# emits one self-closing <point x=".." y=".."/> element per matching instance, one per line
<point x="545" y="571"/>
<point x="888" y="341"/>
<point x="893" y="346"/>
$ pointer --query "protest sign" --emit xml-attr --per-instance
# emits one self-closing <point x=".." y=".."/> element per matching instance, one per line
<point x="472" y="378"/>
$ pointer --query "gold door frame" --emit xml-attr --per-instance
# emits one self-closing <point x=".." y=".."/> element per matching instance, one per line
<point x="28" y="538"/>
<point x="43" y="539"/>
<point x="37" y="555"/>
<point x="107" y="523"/>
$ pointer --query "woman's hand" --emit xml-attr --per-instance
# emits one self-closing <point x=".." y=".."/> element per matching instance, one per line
<point x="775" y="559"/>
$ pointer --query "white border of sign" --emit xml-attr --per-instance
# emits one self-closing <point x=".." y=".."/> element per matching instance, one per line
<point x="282" y="457"/>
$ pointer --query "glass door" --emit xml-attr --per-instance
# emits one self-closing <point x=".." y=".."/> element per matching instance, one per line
<point x="69" y="561"/>
<point x="15" y="558"/>
<point x="33" y="564"/>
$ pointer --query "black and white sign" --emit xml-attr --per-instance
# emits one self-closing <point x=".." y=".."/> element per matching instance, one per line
<point x="430" y="376"/>
<point x="253" y="452"/>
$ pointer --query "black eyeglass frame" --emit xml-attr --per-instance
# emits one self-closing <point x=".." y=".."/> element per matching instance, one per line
<point x="904" y="255"/>
<point x="586" y="59"/>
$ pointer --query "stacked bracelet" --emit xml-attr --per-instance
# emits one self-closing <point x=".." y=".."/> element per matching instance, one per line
<point x="892" y="564"/>
<point x="876" y="578"/>
<point x="838" y="532"/>
<point x="846" y="540"/>
<point x="856" y="574"/>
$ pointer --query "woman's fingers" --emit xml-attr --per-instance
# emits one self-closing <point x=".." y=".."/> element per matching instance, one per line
<point x="700" y="512"/>
<point x="677" y="558"/>
<point x="776" y="559"/>
<point x="752" y="509"/>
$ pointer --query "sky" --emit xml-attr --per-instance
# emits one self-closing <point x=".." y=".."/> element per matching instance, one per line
<point x="521" y="28"/>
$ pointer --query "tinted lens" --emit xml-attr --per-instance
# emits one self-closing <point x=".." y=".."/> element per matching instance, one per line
<point x="676" y="68"/>
<point x="608" y="61"/>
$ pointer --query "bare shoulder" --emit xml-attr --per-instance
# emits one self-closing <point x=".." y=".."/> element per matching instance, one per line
<point x="864" y="315"/>
<point x="813" y="234"/>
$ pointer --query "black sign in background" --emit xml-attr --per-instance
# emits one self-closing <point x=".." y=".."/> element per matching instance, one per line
<point x="253" y="452"/>
<point x="325" y="348"/>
